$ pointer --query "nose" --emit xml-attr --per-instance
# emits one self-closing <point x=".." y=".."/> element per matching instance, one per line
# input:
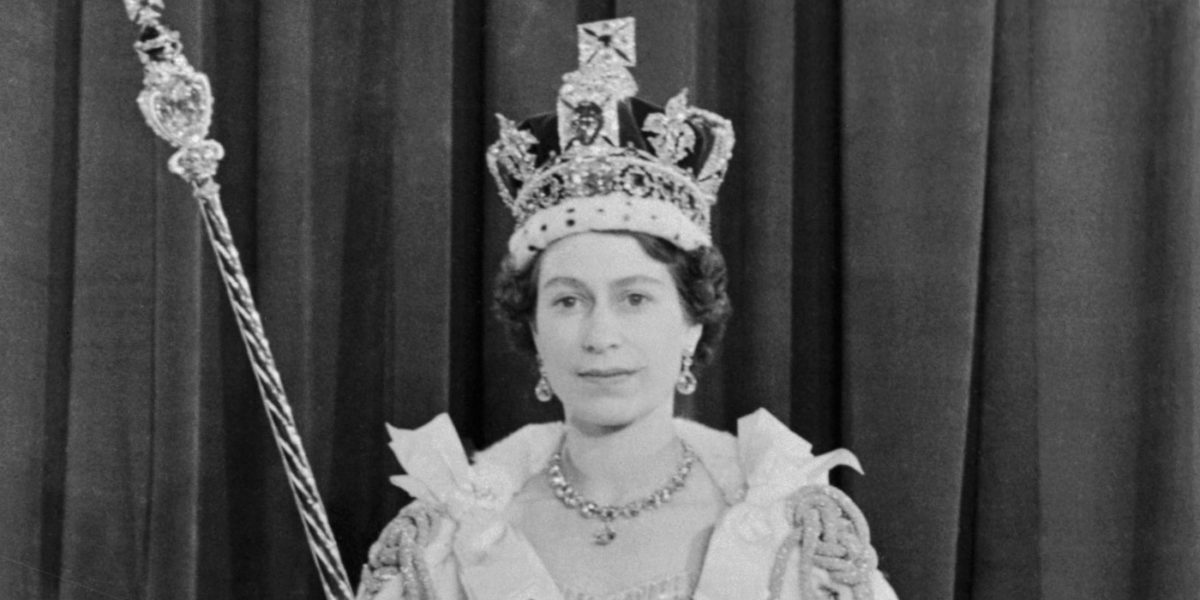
<point x="602" y="332"/>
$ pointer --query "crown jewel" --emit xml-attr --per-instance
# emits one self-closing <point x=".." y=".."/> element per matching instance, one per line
<point x="606" y="160"/>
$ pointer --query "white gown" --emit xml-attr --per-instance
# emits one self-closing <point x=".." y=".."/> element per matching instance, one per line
<point x="785" y="533"/>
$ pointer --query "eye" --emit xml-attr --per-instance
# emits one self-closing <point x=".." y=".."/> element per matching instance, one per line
<point x="565" y="301"/>
<point x="636" y="299"/>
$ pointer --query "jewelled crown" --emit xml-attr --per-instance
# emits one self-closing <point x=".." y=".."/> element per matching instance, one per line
<point x="606" y="160"/>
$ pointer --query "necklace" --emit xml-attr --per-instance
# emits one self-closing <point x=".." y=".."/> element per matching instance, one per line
<point x="589" y="509"/>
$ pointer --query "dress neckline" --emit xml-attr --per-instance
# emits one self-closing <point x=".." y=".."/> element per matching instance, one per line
<point x="755" y="470"/>
<point x="682" y="584"/>
<point x="717" y="453"/>
<point x="676" y="587"/>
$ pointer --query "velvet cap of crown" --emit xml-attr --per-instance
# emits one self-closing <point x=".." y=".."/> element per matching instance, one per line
<point x="608" y="161"/>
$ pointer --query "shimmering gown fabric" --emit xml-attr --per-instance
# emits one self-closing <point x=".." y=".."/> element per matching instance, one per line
<point x="470" y="551"/>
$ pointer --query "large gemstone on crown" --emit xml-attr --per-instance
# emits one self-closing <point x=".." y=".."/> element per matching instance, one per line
<point x="586" y="122"/>
<point x="591" y="176"/>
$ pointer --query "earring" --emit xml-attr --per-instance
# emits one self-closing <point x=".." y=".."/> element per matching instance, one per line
<point x="686" y="384"/>
<point x="542" y="390"/>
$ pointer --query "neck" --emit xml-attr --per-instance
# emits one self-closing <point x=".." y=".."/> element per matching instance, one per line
<point x="614" y="465"/>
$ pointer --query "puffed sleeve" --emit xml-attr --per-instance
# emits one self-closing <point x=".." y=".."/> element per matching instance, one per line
<point x="415" y="554"/>
<point x="791" y="535"/>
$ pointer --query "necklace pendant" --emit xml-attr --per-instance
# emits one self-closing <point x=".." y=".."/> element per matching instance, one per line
<point x="604" y="536"/>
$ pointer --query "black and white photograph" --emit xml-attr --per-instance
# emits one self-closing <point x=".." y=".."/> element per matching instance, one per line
<point x="600" y="300"/>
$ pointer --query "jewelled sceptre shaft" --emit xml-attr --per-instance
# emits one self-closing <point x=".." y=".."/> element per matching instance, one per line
<point x="177" y="103"/>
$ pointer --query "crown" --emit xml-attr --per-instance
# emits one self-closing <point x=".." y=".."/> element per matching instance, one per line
<point x="606" y="160"/>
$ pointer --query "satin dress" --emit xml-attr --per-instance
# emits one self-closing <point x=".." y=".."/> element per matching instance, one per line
<point x="785" y="533"/>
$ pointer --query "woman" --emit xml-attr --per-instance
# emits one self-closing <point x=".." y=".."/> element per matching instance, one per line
<point x="613" y="283"/>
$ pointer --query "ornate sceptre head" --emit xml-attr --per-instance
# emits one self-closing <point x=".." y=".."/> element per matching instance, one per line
<point x="177" y="102"/>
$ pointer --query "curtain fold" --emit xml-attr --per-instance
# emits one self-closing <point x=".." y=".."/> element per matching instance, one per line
<point x="963" y="242"/>
<point x="914" y="139"/>
<point x="35" y="296"/>
<point x="1102" y="119"/>
<point x="998" y="557"/>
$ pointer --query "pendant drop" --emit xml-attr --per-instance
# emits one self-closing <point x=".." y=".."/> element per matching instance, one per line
<point x="604" y="536"/>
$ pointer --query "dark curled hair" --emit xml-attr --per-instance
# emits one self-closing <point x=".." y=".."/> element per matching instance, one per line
<point x="700" y="277"/>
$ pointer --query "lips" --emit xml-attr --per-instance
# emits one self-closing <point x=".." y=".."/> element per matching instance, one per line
<point x="609" y="374"/>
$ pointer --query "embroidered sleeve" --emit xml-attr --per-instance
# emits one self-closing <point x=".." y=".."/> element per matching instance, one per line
<point x="831" y="536"/>
<point x="399" y="554"/>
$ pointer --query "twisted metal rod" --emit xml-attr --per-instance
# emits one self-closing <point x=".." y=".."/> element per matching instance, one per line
<point x="177" y="103"/>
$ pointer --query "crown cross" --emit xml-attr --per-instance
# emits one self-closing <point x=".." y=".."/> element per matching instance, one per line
<point x="607" y="43"/>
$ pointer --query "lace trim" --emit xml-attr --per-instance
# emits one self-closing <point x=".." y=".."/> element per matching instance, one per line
<point x="677" y="587"/>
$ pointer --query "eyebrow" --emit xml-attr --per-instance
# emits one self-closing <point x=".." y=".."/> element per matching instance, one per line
<point x="563" y="280"/>
<point x="638" y="279"/>
<point x="622" y="282"/>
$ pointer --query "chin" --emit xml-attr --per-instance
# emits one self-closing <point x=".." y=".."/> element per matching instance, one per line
<point x="607" y="411"/>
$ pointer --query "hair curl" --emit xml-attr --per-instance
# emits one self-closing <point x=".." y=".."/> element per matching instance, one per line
<point x="700" y="277"/>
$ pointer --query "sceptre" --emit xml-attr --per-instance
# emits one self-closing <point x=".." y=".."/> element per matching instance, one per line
<point x="177" y="102"/>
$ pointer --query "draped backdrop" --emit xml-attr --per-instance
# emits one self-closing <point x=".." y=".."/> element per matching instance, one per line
<point x="963" y="238"/>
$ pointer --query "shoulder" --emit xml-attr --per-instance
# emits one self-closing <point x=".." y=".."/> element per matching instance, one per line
<point x="456" y="500"/>
<point x="397" y="564"/>
<point x="439" y="473"/>
<point x="765" y="457"/>
<point x="523" y="453"/>
<point x="718" y="452"/>
<point x="787" y="529"/>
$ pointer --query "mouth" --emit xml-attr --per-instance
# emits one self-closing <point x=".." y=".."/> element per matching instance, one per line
<point x="606" y="375"/>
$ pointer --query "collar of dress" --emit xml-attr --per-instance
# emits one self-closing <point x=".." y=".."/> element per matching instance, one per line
<point x="757" y="471"/>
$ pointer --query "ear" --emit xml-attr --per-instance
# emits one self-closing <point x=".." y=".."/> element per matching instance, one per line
<point x="533" y="335"/>
<point x="692" y="337"/>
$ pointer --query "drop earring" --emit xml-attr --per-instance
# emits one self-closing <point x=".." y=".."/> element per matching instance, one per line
<point x="686" y="384"/>
<point x="542" y="390"/>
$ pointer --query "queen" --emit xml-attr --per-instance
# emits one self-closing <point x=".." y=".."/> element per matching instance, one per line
<point x="613" y="284"/>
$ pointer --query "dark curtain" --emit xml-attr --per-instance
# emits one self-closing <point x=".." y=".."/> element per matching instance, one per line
<point x="963" y="238"/>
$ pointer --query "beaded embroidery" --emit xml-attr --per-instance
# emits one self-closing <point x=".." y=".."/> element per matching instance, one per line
<point x="399" y="552"/>
<point x="677" y="587"/>
<point x="830" y="533"/>
<point x="816" y="543"/>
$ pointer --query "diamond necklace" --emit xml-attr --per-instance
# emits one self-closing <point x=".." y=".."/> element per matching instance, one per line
<point x="609" y="513"/>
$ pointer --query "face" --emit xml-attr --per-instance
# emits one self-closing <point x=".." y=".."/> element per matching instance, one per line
<point x="610" y="328"/>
